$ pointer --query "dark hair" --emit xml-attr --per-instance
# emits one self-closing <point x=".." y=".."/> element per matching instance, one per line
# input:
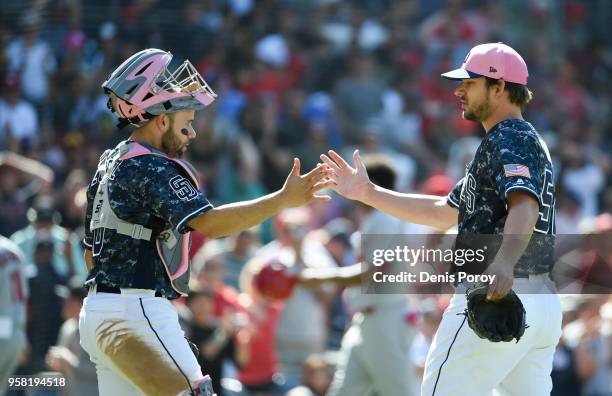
<point x="518" y="94"/>
<point x="381" y="171"/>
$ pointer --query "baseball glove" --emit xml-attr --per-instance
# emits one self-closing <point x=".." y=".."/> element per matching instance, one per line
<point x="500" y="320"/>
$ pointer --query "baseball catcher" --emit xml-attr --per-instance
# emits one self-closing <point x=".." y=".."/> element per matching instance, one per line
<point x="142" y="205"/>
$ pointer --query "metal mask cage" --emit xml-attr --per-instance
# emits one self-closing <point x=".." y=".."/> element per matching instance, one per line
<point x="184" y="79"/>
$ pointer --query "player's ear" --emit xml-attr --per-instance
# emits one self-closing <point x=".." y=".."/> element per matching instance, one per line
<point x="499" y="87"/>
<point x="162" y="122"/>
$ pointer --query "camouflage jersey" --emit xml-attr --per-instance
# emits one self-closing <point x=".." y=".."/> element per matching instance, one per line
<point x="141" y="192"/>
<point x="511" y="157"/>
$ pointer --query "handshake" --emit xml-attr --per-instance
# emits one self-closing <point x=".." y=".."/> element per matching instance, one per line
<point x="333" y="172"/>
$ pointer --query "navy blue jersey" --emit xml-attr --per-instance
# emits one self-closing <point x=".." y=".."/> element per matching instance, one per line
<point x="154" y="192"/>
<point x="511" y="157"/>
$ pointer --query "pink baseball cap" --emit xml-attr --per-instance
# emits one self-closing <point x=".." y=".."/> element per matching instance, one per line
<point x="495" y="60"/>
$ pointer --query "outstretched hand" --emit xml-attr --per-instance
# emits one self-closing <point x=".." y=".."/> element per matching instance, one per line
<point x="300" y="190"/>
<point x="352" y="183"/>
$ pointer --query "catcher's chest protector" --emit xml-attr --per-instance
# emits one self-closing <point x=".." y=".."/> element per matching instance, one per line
<point x="172" y="246"/>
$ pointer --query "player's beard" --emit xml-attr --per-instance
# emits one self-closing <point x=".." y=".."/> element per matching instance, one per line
<point x="480" y="112"/>
<point x="171" y="144"/>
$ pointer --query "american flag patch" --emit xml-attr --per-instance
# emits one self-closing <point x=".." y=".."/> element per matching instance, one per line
<point x="516" y="170"/>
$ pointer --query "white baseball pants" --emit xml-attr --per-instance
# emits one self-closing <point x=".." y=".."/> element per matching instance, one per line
<point x="469" y="365"/>
<point x="137" y="345"/>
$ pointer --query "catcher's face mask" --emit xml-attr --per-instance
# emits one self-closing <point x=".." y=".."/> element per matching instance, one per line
<point x="143" y="86"/>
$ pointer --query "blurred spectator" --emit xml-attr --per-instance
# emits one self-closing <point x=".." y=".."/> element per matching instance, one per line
<point x="18" y="118"/>
<point x="45" y="308"/>
<point x="13" y="300"/>
<point x="239" y="250"/>
<point x="454" y="28"/>
<point x="209" y="265"/>
<point x="591" y="342"/>
<point x="320" y="109"/>
<point x="67" y="356"/>
<point x="71" y="204"/>
<point x="372" y="143"/>
<point x="16" y="192"/>
<point x="337" y="241"/>
<point x="31" y="57"/>
<point x="218" y="340"/>
<point x="67" y="259"/>
<point x="302" y="329"/>
<point x="273" y="50"/>
<point x="316" y="377"/>
<point x="567" y="213"/>
<point x="402" y="123"/>
<point x="582" y="177"/>
<point x="596" y="255"/>
<point x="568" y="218"/>
<point x="336" y="238"/>
<point x="100" y="54"/>
<point x="565" y="374"/>
<point x="359" y="96"/>
<point x="242" y="179"/>
<point x="430" y="317"/>
<point x="259" y="372"/>
<point x="459" y="154"/>
<point x="586" y="268"/>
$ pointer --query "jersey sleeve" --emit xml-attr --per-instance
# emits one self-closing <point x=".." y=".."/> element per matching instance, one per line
<point x="173" y="196"/>
<point x="454" y="197"/>
<point x="516" y="167"/>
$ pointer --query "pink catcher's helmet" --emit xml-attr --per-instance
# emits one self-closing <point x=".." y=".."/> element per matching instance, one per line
<point x="142" y="87"/>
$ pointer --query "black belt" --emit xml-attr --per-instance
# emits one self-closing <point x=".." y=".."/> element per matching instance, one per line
<point x="526" y="276"/>
<point x="101" y="288"/>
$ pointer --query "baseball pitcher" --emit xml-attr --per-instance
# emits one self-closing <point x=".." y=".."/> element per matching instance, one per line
<point x="507" y="191"/>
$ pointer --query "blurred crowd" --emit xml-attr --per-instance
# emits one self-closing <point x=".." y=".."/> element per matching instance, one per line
<point x="296" y="78"/>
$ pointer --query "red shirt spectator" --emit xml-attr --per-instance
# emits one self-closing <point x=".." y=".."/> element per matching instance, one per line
<point x="224" y="298"/>
<point x="264" y="362"/>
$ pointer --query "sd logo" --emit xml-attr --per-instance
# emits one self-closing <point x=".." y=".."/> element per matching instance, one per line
<point x="182" y="188"/>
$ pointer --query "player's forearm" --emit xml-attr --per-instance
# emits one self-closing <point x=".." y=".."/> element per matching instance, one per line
<point x="88" y="256"/>
<point x="429" y="210"/>
<point x="235" y="217"/>
<point x="32" y="167"/>
<point x="345" y="276"/>
<point x="518" y="230"/>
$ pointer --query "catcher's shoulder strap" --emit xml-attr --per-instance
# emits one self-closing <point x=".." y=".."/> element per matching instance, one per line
<point x="103" y="215"/>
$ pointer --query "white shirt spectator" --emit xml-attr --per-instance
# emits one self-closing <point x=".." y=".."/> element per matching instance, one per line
<point x="20" y="119"/>
<point x="374" y="224"/>
<point x="34" y="64"/>
<point x="304" y="316"/>
<point x="566" y="223"/>
<point x="586" y="182"/>
<point x="460" y="154"/>
<point x="400" y="127"/>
